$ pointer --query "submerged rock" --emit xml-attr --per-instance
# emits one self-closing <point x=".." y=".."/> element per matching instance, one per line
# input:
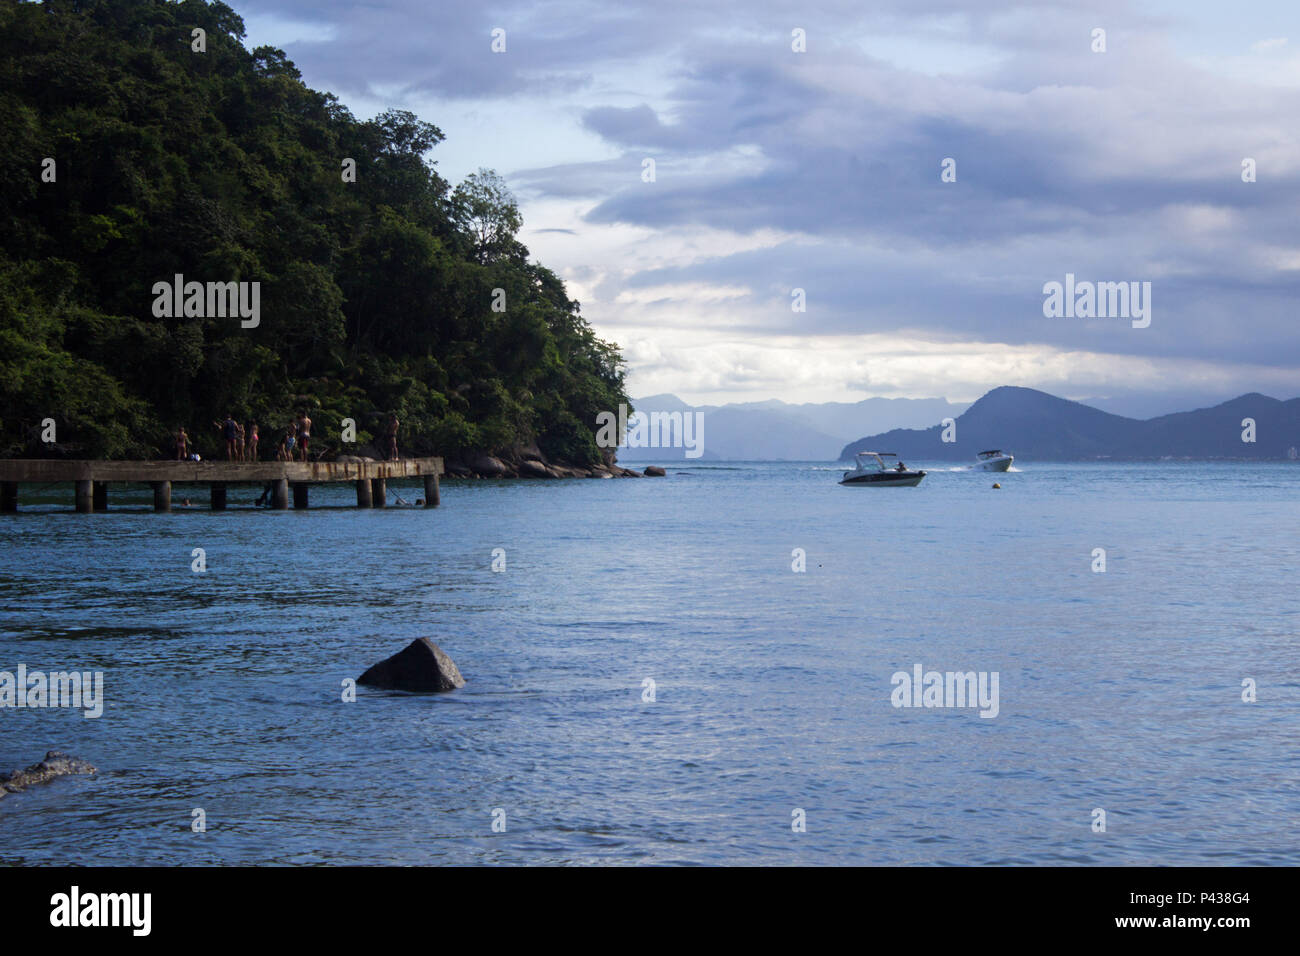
<point x="422" y="666"/>
<point x="55" y="764"/>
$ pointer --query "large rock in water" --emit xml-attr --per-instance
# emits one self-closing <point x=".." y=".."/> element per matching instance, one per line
<point x="654" y="471"/>
<point x="422" y="666"/>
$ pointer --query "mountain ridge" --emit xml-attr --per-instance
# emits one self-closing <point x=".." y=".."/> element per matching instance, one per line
<point x="1034" y="424"/>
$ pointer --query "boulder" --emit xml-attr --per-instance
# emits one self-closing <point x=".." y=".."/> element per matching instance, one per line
<point x="422" y="666"/>
<point x="530" y="453"/>
<point x="55" y="764"/>
<point x="654" y="471"/>
<point x="457" y="470"/>
<point x="489" y="467"/>
<point x="531" y="468"/>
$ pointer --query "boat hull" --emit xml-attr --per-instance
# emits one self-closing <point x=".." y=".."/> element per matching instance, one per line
<point x="907" y="479"/>
<point x="996" y="464"/>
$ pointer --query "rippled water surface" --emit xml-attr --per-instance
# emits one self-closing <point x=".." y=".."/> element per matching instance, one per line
<point x="1119" y="690"/>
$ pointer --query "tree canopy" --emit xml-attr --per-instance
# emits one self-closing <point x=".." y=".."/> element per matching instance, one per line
<point x="129" y="158"/>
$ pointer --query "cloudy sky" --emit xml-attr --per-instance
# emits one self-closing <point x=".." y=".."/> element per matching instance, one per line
<point x="820" y="170"/>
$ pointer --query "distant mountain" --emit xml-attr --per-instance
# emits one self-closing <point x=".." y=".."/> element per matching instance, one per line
<point x="1143" y="405"/>
<point x="777" y="431"/>
<point x="853" y="418"/>
<point x="1033" y="424"/>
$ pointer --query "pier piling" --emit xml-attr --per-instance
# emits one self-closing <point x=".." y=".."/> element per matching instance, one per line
<point x="162" y="496"/>
<point x="363" y="493"/>
<point x="379" y="493"/>
<point x="85" y="498"/>
<point x="8" y="496"/>
<point x="99" y="496"/>
<point x="432" y="497"/>
<point x="300" y="495"/>
<point x="280" y="494"/>
<point x="218" y="496"/>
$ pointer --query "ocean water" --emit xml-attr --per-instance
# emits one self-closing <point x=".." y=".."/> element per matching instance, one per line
<point x="1118" y="691"/>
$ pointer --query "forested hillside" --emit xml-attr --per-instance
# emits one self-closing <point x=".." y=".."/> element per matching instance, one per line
<point x="222" y="166"/>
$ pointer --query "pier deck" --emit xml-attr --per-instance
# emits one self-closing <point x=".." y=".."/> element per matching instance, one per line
<point x="91" y="479"/>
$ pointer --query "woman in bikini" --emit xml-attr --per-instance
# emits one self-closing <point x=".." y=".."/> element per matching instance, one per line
<point x="250" y="449"/>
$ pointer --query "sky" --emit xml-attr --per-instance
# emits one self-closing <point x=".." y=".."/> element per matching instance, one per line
<point x="777" y="169"/>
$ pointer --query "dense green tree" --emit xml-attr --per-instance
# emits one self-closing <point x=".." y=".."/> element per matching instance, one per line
<point x="486" y="211"/>
<point x="222" y="166"/>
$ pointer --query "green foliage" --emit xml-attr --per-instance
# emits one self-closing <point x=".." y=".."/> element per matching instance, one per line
<point x="376" y="295"/>
<point x="485" y="210"/>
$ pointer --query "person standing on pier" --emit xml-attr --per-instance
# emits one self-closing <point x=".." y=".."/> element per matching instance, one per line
<point x="182" y="444"/>
<point x="285" y="451"/>
<point x="304" y="433"/>
<point x="239" y="442"/>
<point x="230" y="432"/>
<point x="250" y="449"/>
<point x="390" y="446"/>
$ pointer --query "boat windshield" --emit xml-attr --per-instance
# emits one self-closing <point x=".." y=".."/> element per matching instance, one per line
<point x="870" y="460"/>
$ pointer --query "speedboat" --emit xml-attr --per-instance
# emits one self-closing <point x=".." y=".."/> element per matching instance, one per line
<point x="994" y="460"/>
<point x="872" y="470"/>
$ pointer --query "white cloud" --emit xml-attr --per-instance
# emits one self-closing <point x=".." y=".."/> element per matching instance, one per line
<point x="820" y="170"/>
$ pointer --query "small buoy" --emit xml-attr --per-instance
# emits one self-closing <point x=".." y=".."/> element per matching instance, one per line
<point x="996" y="485"/>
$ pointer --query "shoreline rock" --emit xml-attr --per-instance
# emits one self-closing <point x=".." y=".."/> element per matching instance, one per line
<point x="529" y="462"/>
<point x="488" y="466"/>
<point x="532" y="468"/>
<point x="55" y="764"/>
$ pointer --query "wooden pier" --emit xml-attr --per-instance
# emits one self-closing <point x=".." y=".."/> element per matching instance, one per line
<point x="92" y="478"/>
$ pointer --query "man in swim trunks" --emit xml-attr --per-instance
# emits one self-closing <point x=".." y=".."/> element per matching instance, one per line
<point x="182" y="444"/>
<point x="230" y="432"/>
<point x="304" y="432"/>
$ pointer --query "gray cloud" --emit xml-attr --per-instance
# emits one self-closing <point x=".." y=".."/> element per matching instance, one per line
<point x="1115" y="166"/>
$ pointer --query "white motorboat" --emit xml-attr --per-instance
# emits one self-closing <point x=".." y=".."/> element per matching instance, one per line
<point x="993" y="460"/>
<point x="871" y="470"/>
